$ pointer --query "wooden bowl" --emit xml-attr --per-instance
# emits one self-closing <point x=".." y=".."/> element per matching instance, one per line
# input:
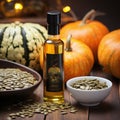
<point x="22" y="91"/>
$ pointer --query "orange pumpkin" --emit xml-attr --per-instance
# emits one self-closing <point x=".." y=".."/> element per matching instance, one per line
<point x="89" y="31"/>
<point x="109" y="53"/>
<point x="78" y="59"/>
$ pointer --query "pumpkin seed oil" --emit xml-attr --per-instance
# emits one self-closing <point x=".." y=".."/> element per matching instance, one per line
<point x="53" y="50"/>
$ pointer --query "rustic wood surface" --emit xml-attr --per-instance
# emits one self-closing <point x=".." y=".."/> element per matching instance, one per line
<point x="109" y="109"/>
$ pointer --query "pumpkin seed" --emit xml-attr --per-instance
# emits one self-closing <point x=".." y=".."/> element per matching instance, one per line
<point x="29" y="108"/>
<point x="9" y="118"/>
<point x="73" y="110"/>
<point x="15" y="79"/>
<point x="63" y="112"/>
<point x="89" y="84"/>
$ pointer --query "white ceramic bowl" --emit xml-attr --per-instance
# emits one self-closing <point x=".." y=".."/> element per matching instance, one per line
<point x="89" y="97"/>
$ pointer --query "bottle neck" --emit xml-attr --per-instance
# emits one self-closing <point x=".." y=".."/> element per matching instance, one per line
<point x="54" y="37"/>
<point x="53" y="29"/>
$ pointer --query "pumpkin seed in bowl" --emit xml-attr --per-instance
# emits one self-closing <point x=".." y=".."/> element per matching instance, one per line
<point x="92" y="84"/>
<point x="89" y="90"/>
<point x="15" y="79"/>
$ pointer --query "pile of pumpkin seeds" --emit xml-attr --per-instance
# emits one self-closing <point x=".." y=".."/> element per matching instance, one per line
<point x="30" y="107"/>
<point x="15" y="79"/>
<point x="92" y="84"/>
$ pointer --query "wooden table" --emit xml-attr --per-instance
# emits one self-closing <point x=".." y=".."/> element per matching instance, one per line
<point x="109" y="109"/>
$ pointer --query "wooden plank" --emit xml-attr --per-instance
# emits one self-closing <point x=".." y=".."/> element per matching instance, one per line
<point x="54" y="116"/>
<point x="119" y="91"/>
<point x="81" y="114"/>
<point x="109" y="109"/>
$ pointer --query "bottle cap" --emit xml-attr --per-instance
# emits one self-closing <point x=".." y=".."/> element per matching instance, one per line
<point x="54" y="17"/>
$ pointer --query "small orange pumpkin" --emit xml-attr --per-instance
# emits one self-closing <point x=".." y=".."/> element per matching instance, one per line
<point x="109" y="53"/>
<point x="78" y="59"/>
<point x="89" y="31"/>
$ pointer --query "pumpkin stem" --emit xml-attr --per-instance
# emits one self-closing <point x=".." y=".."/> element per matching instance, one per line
<point x="91" y="15"/>
<point x="68" y="43"/>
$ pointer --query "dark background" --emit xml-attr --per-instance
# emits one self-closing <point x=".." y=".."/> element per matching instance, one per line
<point x="111" y="8"/>
<point x="80" y="7"/>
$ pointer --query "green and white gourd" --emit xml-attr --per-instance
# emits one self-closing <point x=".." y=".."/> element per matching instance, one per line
<point x="21" y="42"/>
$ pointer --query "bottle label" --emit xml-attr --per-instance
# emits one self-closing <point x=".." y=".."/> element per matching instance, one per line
<point x="54" y="81"/>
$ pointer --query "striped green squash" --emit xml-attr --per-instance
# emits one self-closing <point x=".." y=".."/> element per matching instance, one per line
<point x="21" y="42"/>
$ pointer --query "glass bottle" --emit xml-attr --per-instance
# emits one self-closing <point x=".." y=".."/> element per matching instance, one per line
<point x="53" y="70"/>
